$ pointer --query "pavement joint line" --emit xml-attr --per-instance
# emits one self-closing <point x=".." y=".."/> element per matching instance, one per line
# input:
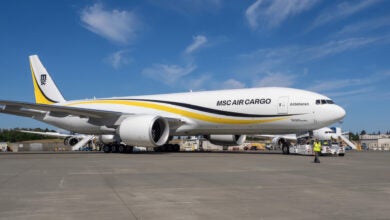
<point x="131" y="213"/>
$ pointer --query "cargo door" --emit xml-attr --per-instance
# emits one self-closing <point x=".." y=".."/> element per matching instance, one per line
<point x="283" y="105"/>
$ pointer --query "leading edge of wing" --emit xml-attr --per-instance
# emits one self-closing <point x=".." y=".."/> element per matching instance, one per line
<point x="57" y="109"/>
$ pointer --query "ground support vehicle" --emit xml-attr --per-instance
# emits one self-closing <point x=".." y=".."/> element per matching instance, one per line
<point x="327" y="148"/>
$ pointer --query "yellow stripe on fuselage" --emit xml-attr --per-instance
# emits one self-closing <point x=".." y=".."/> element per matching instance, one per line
<point x="39" y="97"/>
<point x="178" y="111"/>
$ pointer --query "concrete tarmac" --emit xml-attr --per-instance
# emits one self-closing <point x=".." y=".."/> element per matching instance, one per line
<point x="194" y="186"/>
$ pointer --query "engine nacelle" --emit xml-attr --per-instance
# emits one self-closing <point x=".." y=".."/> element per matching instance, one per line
<point x="144" y="130"/>
<point x="71" y="141"/>
<point x="226" y="140"/>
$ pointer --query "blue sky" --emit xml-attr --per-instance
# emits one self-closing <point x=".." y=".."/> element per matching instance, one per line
<point x="118" y="48"/>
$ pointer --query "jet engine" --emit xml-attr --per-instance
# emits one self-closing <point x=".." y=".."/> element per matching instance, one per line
<point x="226" y="140"/>
<point x="71" y="141"/>
<point x="144" y="130"/>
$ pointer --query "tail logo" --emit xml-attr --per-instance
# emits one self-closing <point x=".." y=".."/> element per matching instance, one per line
<point x="43" y="79"/>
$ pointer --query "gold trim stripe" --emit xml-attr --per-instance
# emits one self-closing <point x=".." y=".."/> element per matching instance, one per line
<point x="178" y="111"/>
<point x="39" y="96"/>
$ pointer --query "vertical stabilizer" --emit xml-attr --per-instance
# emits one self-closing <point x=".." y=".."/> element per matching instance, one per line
<point x="45" y="90"/>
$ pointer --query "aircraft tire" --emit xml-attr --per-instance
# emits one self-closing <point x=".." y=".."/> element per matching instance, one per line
<point x="157" y="149"/>
<point x="122" y="149"/>
<point x="169" y="147"/>
<point x="176" y="148"/>
<point x="129" y="149"/>
<point x="107" y="148"/>
<point x="341" y="155"/>
<point x="115" y="148"/>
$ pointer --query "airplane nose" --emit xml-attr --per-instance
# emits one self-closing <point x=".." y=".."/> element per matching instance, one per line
<point x="340" y="113"/>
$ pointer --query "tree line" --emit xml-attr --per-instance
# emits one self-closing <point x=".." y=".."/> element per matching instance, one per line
<point x="14" y="135"/>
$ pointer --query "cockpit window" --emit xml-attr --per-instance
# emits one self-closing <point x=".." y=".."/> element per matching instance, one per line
<point x="324" y="101"/>
<point x="330" y="101"/>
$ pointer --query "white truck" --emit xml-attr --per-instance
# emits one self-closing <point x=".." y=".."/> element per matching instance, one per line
<point x="327" y="148"/>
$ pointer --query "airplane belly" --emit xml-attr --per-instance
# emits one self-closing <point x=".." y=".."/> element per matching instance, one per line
<point x="75" y="124"/>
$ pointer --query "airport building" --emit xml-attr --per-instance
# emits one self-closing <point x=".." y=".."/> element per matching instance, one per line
<point x="375" y="142"/>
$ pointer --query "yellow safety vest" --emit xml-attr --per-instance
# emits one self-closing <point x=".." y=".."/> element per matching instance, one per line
<point x="317" y="146"/>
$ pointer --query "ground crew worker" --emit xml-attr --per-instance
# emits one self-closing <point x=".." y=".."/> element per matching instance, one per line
<point x="317" y="150"/>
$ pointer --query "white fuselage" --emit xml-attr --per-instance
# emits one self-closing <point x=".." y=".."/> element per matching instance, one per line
<point x="244" y="111"/>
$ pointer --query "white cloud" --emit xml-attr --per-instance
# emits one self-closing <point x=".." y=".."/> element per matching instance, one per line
<point x="365" y="26"/>
<point x="197" y="83"/>
<point x="350" y="92"/>
<point x="116" y="26"/>
<point x="198" y="42"/>
<point x="341" y="10"/>
<point x="271" y="58"/>
<point x="233" y="84"/>
<point x="168" y="74"/>
<point x="367" y="86"/>
<point x="334" y="84"/>
<point x="189" y="6"/>
<point x="272" y="13"/>
<point x="335" y="47"/>
<point x="118" y="59"/>
<point x="276" y="79"/>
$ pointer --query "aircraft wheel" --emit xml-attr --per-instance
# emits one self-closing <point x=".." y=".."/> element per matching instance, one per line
<point x="115" y="148"/>
<point x="129" y="149"/>
<point x="169" y="147"/>
<point x="157" y="149"/>
<point x="176" y="148"/>
<point x="341" y="155"/>
<point x="107" y="148"/>
<point x="122" y="148"/>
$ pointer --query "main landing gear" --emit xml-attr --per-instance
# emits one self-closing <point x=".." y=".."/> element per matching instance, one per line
<point x="117" y="148"/>
<point x="123" y="149"/>
<point x="168" y="148"/>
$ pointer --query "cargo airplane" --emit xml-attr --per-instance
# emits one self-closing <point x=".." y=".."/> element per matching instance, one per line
<point x="225" y="117"/>
<point x="325" y="133"/>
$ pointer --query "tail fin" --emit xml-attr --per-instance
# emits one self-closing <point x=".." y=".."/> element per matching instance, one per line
<point x="45" y="90"/>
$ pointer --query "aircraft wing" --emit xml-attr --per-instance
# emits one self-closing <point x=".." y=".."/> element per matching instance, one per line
<point x="49" y="134"/>
<point x="98" y="116"/>
<point x="25" y="108"/>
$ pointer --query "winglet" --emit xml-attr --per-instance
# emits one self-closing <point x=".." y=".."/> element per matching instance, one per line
<point x="45" y="90"/>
